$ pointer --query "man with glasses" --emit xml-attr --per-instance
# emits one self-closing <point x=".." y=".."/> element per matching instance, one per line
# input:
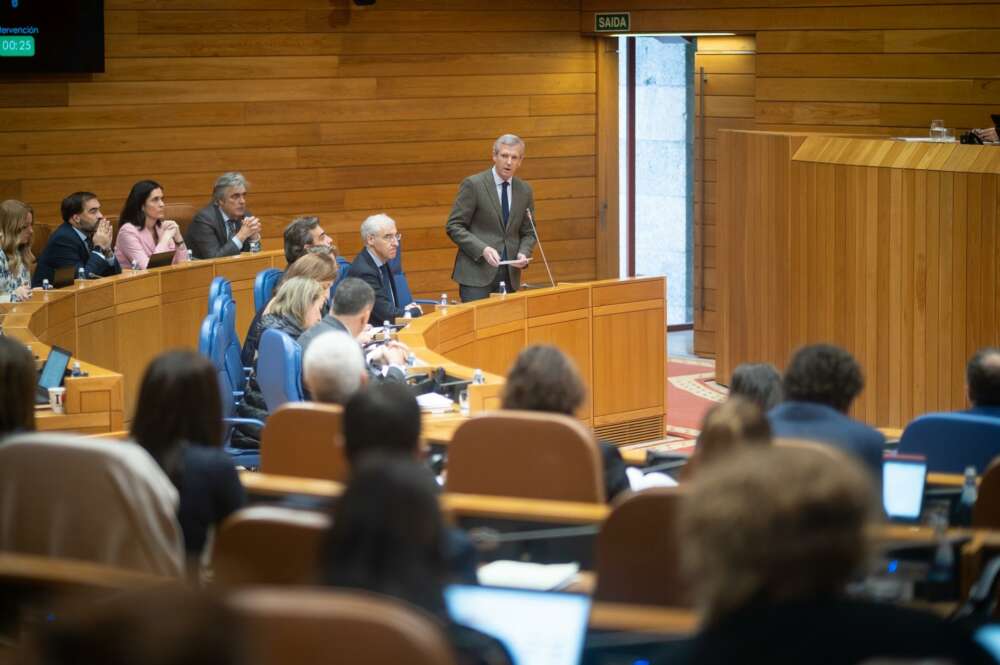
<point x="381" y="240"/>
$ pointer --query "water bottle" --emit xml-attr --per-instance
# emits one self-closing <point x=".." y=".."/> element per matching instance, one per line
<point x="81" y="273"/>
<point x="387" y="331"/>
<point x="135" y="266"/>
<point x="443" y="306"/>
<point x="190" y="255"/>
<point x="478" y="377"/>
<point x="411" y="359"/>
<point x="967" y="500"/>
<point x="503" y="288"/>
<point x="254" y="246"/>
<point x="46" y="286"/>
<point x="407" y="314"/>
<point x="76" y="371"/>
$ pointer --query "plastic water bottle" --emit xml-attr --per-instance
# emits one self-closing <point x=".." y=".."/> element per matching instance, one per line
<point x="387" y="331"/>
<point x="190" y="255"/>
<point x="478" y="377"/>
<point x="407" y="314"/>
<point x="81" y="273"/>
<point x="254" y="246"/>
<point x="443" y="306"/>
<point x="46" y="286"/>
<point x="135" y="266"/>
<point x="967" y="500"/>
<point x="503" y="288"/>
<point x="411" y="359"/>
<point x="76" y="371"/>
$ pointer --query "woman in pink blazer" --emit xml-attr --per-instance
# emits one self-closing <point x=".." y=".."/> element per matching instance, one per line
<point x="142" y="231"/>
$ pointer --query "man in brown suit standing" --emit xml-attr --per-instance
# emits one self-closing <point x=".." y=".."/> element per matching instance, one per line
<point x="489" y="224"/>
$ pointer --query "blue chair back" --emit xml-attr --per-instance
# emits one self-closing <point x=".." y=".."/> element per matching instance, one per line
<point x="219" y="286"/>
<point x="225" y="312"/>
<point x="263" y="287"/>
<point x="403" y="293"/>
<point x="206" y="335"/>
<point x="279" y="369"/>
<point x="343" y="266"/>
<point x="953" y="441"/>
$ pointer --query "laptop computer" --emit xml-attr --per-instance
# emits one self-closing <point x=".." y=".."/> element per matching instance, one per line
<point x="52" y="374"/>
<point x="903" y="481"/>
<point x="161" y="259"/>
<point x="64" y="276"/>
<point x="537" y="627"/>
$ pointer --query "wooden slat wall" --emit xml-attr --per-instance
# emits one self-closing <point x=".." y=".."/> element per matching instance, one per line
<point x="885" y="67"/>
<point x="729" y="64"/>
<point x="329" y="109"/>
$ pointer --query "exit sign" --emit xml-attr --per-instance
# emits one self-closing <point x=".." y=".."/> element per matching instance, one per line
<point x="612" y="22"/>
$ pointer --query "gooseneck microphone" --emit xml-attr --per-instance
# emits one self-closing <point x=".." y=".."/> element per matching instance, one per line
<point x="538" y="239"/>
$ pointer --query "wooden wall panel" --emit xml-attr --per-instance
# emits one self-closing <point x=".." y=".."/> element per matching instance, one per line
<point x="329" y="109"/>
<point x="881" y="67"/>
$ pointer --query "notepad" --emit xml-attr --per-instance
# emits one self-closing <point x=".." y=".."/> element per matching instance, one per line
<point x="525" y="575"/>
<point x="434" y="403"/>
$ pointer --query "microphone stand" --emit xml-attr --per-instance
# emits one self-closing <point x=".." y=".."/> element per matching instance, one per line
<point x="538" y="239"/>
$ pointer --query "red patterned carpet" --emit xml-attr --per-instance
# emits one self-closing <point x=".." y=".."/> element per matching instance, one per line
<point x="691" y="392"/>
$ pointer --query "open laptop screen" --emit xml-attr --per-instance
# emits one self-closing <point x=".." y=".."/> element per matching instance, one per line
<point x="903" y="480"/>
<point x="537" y="627"/>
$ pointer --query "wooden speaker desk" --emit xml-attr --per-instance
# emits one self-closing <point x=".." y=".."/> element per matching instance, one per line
<point x="886" y="248"/>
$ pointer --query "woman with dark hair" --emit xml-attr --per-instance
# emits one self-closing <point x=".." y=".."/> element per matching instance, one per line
<point x="727" y="429"/>
<point x="543" y="378"/>
<point x="142" y="231"/>
<point x="388" y="537"/>
<point x="758" y="382"/>
<point x="179" y="422"/>
<point x="17" y="402"/>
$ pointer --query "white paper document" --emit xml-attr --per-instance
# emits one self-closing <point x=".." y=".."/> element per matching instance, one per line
<point x="524" y="575"/>
<point x="510" y="261"/>
<point x="434" y="403"/>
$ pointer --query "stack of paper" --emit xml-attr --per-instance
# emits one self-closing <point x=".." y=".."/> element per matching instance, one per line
<point x="434" y="403"/>
<point x="524" y="575"/>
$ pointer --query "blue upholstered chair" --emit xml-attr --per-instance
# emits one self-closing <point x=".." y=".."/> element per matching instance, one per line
<point x="219" y="286"/>
<point x="953" y="441"/>
<point x="206" y="335"/>
<point x="403" y="292"/>
<point x="225" y="311"/>
<point x="279" y="369"/>
<point x="263" y="287"/>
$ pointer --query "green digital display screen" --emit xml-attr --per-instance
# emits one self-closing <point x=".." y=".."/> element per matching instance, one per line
<point x="17" y="47"/>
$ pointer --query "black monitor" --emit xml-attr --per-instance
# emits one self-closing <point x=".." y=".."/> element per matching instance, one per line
<point x="58" y="36"/>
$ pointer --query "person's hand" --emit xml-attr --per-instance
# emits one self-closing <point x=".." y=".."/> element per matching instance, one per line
<point x="521" y="263"/>
<point x="492" y="256"/>
<point x="413" y="306"/>
<point x="988" y="134"/>
<point x="102" y="235"/>
<point x="170" y="229"/>
<point x="22" y="293"/>
<point x="399" y="345"/>
<point x="249" y="228"/>
<point x="394" y="354"/>
<point x="365" y="336"/>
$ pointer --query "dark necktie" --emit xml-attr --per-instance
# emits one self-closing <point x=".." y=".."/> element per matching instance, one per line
<point x="387" y="281"/>
<point x="504" y="203"/>
<point x="230" y="228"/>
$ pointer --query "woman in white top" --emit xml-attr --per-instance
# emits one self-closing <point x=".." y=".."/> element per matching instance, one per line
<point x="16" y="259"/>
<point x="142" y="231"/>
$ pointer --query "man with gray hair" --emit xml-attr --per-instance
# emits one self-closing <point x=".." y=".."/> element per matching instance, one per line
<point x="224" y="227"/>
<point x="333" y="368"/>
<point x="490" y="226"/>
<point x="381" y="244"/>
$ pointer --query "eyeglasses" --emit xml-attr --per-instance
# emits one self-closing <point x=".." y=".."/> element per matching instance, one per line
<point x="389" y="237"/>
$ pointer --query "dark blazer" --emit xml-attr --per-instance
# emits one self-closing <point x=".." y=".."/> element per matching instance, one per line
<point x="207" y="236"/>
<point x="476" y="221"/>
<point x="826" y="632"/>
<point x="363" y="267"/>
<point x="210" y="491"/>
<point x="65" y="248"/>
<point x="330" y="323"/>
<point x="817" y="422"/>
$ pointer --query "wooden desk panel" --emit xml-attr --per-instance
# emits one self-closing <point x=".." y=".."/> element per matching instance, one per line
<point x="618" y="344"/>
<point x="115" y="326"/>
<point x="886" y="248"/>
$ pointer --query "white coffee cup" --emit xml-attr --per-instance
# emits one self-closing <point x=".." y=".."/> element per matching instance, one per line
<point x="57" y="399"/>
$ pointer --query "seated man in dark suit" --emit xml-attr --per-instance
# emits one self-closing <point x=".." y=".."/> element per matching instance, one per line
<point x="381" y="240"/>
<point x="82" y="240"/>
<point x="820" y="384"/>
<point x="224" y="227"/>
<point x="982" y="377"/>
<point x="352" y="305"/>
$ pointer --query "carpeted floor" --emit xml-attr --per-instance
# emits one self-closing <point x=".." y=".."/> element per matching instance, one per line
<point x="691" y="392"/>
